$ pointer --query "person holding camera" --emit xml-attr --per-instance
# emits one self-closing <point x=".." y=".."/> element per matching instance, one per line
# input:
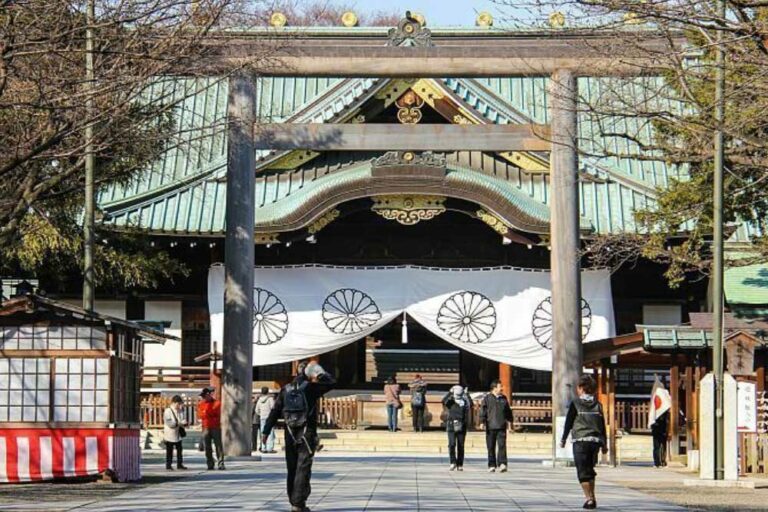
<point x="173" y="433"/>
<point x="457" y="414"/>
<point x="586" y="424"/>
<point x="297" y="406"/>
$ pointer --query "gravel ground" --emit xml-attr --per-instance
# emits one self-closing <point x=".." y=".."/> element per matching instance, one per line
<point x="668" y="485"/>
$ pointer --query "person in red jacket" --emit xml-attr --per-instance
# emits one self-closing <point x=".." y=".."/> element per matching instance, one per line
<point x="209" y="414"/>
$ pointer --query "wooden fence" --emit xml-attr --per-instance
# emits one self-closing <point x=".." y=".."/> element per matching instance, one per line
<point x="753" y="449"/>
<point x="339" y="412"/>
<point x="153" y="407"/>
<point x="632" y="415"/>
<point x="345" y="412"/>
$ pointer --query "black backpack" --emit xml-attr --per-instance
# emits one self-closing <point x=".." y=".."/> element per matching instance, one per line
<point x="417" y="398"/>
<point x="295" y="406"/>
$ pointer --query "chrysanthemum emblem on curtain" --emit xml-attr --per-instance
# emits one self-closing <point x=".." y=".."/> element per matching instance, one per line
<point x="270" y="319"/>
<point x="467" y="316"/>
<point x="349" y="311"/>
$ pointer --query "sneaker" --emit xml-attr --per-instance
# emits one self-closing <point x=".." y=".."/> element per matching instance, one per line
<point x="503" y="468"/>
<point x="460" y="468"/>
<point x="590" y="504"/>
<point x="221" y="466"/>
<point x="491" y="469"/>
<point x="181" y="466"/>
<point x="169" y="468"/>
<point x="210" y="468"/>
<point x="452" y="467"/>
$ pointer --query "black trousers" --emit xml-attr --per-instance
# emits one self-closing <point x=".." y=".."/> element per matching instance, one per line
<point x="169" y="454"/>
<point x="456" y="447"/>
<point x="496" y="442"/>
<point x="585" y="457"/>
<point x="418" y="419"/>
<point x="212" y="437"/>
<point x="299" y="454"/>
<point x="660" y="450"/>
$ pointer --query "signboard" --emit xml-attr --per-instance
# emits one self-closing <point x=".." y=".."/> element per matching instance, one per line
<point x="746" y="401"/>
<point x="741" y="356"/>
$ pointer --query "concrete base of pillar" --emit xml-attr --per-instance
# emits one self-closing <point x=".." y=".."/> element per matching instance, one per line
<point x="699" y="482"/>
<point x="559" y="463"/>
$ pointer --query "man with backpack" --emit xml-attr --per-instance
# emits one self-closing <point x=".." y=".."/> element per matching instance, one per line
<point x="418" y="387"/>
<point x="297" y="405"/>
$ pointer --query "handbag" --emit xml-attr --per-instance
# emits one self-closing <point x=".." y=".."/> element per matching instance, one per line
<point x="182" y="430"/>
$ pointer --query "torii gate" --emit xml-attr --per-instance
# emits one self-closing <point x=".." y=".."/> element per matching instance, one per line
<point x="413" y="51"/>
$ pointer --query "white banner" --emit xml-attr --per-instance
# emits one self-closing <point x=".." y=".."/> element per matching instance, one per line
<point x="503" y="314"/>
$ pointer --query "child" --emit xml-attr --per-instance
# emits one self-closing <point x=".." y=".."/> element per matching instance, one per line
<point x="586" y="422"/>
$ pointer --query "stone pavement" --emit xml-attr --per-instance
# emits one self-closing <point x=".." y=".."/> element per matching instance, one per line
<point x="362" y="483"/>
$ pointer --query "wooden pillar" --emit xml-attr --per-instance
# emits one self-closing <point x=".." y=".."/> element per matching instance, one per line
<point x="237" y="352"/>
<point x="689" y="390"/>
<point x="612" y="430"/>
<point x="564" y="230"/>
<point x="505" y="376"/>
<point x="760" y="386"/>
<point x="674" y="413"/>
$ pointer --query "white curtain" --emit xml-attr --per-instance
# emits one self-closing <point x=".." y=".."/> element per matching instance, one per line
<point x="503" y="314"/>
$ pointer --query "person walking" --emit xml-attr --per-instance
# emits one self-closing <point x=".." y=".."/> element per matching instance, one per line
<point x="392" y="396"/>
<point x="297" y="405"/>
<point x="173" y="433"/>
<point x="209" y="414"/>
<point x="494" y="414"/>
<point x="263" y="407"/>
<point x="418" y="387"/>
<point x="457" y="406"/>
<point x="586" y="424"/>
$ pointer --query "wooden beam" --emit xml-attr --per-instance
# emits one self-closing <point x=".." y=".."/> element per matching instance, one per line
<point x="299" y="52"/>
<point x="402" y="137"/>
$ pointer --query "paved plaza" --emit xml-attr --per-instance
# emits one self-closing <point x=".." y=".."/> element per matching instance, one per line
<point x="352" y="483"/>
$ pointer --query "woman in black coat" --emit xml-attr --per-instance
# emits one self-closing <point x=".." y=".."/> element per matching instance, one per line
<point x="457" y="413"/>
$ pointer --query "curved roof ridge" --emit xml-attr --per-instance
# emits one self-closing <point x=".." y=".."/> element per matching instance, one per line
<point x="504" y="109"/>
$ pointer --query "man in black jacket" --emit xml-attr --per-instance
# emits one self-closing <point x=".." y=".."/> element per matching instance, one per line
<point x="495" y="413"/>
<point x="301" y="442"/>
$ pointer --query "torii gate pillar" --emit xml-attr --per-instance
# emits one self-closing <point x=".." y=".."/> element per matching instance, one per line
<point x="565" y="256"/>
<point x="237" y="350"/>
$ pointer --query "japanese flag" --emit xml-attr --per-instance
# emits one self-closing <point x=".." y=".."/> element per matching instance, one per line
<point x="661" y="401"/>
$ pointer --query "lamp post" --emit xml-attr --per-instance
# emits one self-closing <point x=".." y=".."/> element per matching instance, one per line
<point x="89" y="283"/>
<point x="717" y="249"/>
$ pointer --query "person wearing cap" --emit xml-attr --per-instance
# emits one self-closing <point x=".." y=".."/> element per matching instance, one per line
<point x="209" y="414"/>
<point x="262" y="406"/>
<point x="301" y="442"/>
<point x="457" y="413"/>
<point x="173" y="432"/>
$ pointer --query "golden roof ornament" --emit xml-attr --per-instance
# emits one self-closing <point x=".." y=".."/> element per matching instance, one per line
<point x="278" y="19"/>
<point x="484" y="19"/>
<point x="410" y="31"/>
<point x="556" y="19"/>
<point x="349" y="19"/>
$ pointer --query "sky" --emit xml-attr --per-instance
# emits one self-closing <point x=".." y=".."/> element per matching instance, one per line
<point x="439" y="13"/>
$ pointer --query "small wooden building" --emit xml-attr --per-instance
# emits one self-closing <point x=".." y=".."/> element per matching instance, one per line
<point x="69" y="391"/>
<point x="685" y="351"/>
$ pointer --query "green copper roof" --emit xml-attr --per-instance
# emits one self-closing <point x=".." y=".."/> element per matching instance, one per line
<point x="185" y="191"/>
<point x="747" y="285"/>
